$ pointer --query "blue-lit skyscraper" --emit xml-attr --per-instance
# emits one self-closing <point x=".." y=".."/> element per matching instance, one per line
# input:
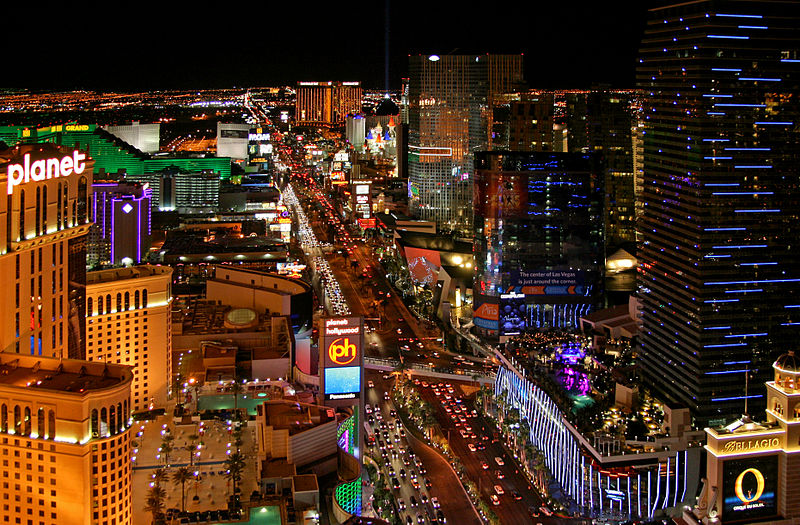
<point x="720" y="268"/>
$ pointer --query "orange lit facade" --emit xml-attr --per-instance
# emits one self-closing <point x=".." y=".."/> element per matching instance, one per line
<point x="128" y="323"/>
<point x="326" y="103"/>
<point x="42" y="249"/>
<point x="65" y="442"/>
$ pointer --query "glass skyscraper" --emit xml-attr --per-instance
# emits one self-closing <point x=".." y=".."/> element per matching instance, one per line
<point x="720" y="261"/>
<point x="538" y="240"/>
<point x="449" y="100"/>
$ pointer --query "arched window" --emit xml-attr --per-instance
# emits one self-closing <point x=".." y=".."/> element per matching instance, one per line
<point x="94" y="424"/>
<point x="81" y="202"/>
<point x="89" y="306"/>
<point x="120" y="420"/>
<point x="40" y="422"/>
<point x="112" y="420"/>
<point x="100" y="305"/>
<point x="103" y="422"/>
<point x="65" y="205"/>
<point x="4" y="418"/>
<point x="21" y="214"/>
<point x="38" y="221"/>
<point x="44" y="209"/>
<point x="27" y="426"/>
<point x="51" y="424"/>
<point x="119" y="302"/>
<point x="74" y="213"/>
<point x="58" y="207"/>
<point x="126" y="411"/>
<point x="127" y="301"/>
<point x="136" y="299"/>
<point x="108" y="303"/>
<point x="144" y="298"/>
<point x="17" y="420"/>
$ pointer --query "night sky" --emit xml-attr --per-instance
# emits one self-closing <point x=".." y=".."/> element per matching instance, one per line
<point x="147" y="46"/>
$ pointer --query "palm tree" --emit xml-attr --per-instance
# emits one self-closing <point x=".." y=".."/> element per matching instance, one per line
<point x="154" y="503"/>
<point x="159" y="476"/>
<point x="181" y="476"/>
<point x="234" y="466"/>
<point x="192" y="448"/>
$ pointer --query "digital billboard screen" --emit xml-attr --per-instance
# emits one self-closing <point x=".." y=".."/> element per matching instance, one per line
<point x="343" y="383"/>
<point x="512" y="314"/>
<point x="750" y="488"/>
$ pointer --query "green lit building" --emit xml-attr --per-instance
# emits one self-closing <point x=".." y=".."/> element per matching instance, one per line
<point x="110" y="154"/>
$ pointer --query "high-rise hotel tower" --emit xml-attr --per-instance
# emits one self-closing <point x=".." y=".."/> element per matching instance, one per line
<point x="720" y="259"/>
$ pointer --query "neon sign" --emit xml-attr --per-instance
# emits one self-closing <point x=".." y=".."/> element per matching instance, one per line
<point x="341" y="351"/>
<point x="39" y="170"/>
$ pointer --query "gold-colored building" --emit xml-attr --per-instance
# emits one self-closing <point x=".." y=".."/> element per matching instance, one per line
<point x="753" y="468"/>
<point x="42" y="249"/>
<point x="128" y="323"/>
<point x="327" y="103"/>
<point x="65" y="441"/>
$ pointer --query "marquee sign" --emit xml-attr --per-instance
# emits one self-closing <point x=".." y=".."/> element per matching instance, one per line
<point x="750" y="488"/>
<point x="44" y="169"/>
<point x="341" y="357"/>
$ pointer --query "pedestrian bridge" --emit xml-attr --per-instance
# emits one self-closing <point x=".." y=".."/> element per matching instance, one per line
<point x="422" y="369"/>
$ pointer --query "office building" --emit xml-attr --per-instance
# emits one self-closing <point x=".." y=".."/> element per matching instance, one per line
<point x="43" y="250"/>
<point x="327" y="103"/>
<point x="120" y="213"/>
<point x="538" y="241"/>
<point x="720" y="275"/>
<point x="448" y="106"/>
<point x="65" y="441"/>
<point x="128" y="322"/>
<point x="232" y="140"/>
<point x="175" y="189"/>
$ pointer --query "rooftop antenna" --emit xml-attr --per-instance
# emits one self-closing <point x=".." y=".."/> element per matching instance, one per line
<point x="745" y="416"/>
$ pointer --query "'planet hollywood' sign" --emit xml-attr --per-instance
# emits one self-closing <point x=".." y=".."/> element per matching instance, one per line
<point x="39" y="170"/>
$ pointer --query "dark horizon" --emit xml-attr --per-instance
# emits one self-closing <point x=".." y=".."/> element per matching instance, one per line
<point x="566" y="46"/>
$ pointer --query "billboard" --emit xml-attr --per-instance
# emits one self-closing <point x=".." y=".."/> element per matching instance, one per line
<point x="341" y="357"/>
<point x="501" y="195"/>
<point x="512" y="313"/>
<point x="423" y="264"/>
<point x="750" y="488"/>
<point x="548" y="282"/>
<point x="486" y="312"/>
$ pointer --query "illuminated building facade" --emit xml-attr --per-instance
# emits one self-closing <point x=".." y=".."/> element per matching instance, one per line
<point x="719" y="276"/>
<point x="120" y="213"/>
<point x="128" y="323"/>
<point x="43" y="250"/>
<point x="449" y="119"/>
<point x="647" y="481"/>
<point x="754" y="468"/>
<point x="174" y="189"/>
<point x="144" y="137"/>
<point x="327" y="103"/>
<point x="65" y="441"/>
<point x="538" y="240"/>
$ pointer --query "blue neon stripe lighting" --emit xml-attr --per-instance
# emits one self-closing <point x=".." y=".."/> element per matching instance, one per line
<point x="753" y="282"/>
<point x="715" y="113"/>
<point x="773" y="123"/>
<point x="717" y="158"/>
<point x="729" y="36"/>
<point x="725" y="345"/>
<point x="723" y="372"/>
<point x="738" y="16"/>
<point x="722" y="301"/>
<point x="721" y="185"/>
<point x="792" y="306"/>
<point x="734" y="69"/>
<point x="746" y="335"/>
<point x="754" y="396"/>
<point x="736" y="362"/>
<point x="760" y="264"/>
<point x="753" y="27"/>
<point x="741" y="246"/>
<point x="715" y="256"/>
<point x="732" y="105"/>
<point x="752" y="166"/>
<point x="716" y="328"/>
<point x="747" y="149"/>
<point x="761" y="79"/>
<point x="716" y="140"/>
<point x="713" y="95"/>
<point x="757" y="211"/>
<point x="745" y="291"/>
<point x="742" y="192"/>
<point x="724" y="229"/>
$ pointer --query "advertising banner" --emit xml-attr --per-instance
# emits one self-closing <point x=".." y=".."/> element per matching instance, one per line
<point x="512" y="314"/>
<point x="750" y="488"/>
<point x="486" y="313"/>
<point x="341" y="356"/>
<point x="548" y="282"/>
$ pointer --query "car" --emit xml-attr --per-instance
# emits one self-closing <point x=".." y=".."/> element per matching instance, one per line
<point x="367" y="408"/>
<point x="402" y="473"/>
<point x="386" y="396"/>
<point x="415" y="484"/>
<point x="409" y="521"/>
<point x="546" y="511"/>
<point x="484" y="465"/>
<point x="499" y="490"/>
<point x="370" y="419"/>
<point x="401" y="504"/>
<point x="412" y="474"/>
<point x="440" y="516"/>
<point x="414" y="501"/>
<point x="395" y="483"/>
<point x="428" y="484"/>
<point x="481" y="446"/>
<point x="370" y="384"/>
<point x="393" y="413"/>
<point x="420" y="519"/>
<point x="499" y="461"/>
<point x="406" y="461"/>
<point x="391" y="471"/>
<point x="435" y="502"/>
<point x="423" y="498"/>
<point x="402" y="432"/>
<point x="471" y="447"/>
<point x="495" y="499"/>
<point x="499" y="474"/>
<point x="516" y="495"/>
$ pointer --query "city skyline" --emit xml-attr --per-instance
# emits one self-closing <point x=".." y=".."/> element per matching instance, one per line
<point x="166" y="48"/>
